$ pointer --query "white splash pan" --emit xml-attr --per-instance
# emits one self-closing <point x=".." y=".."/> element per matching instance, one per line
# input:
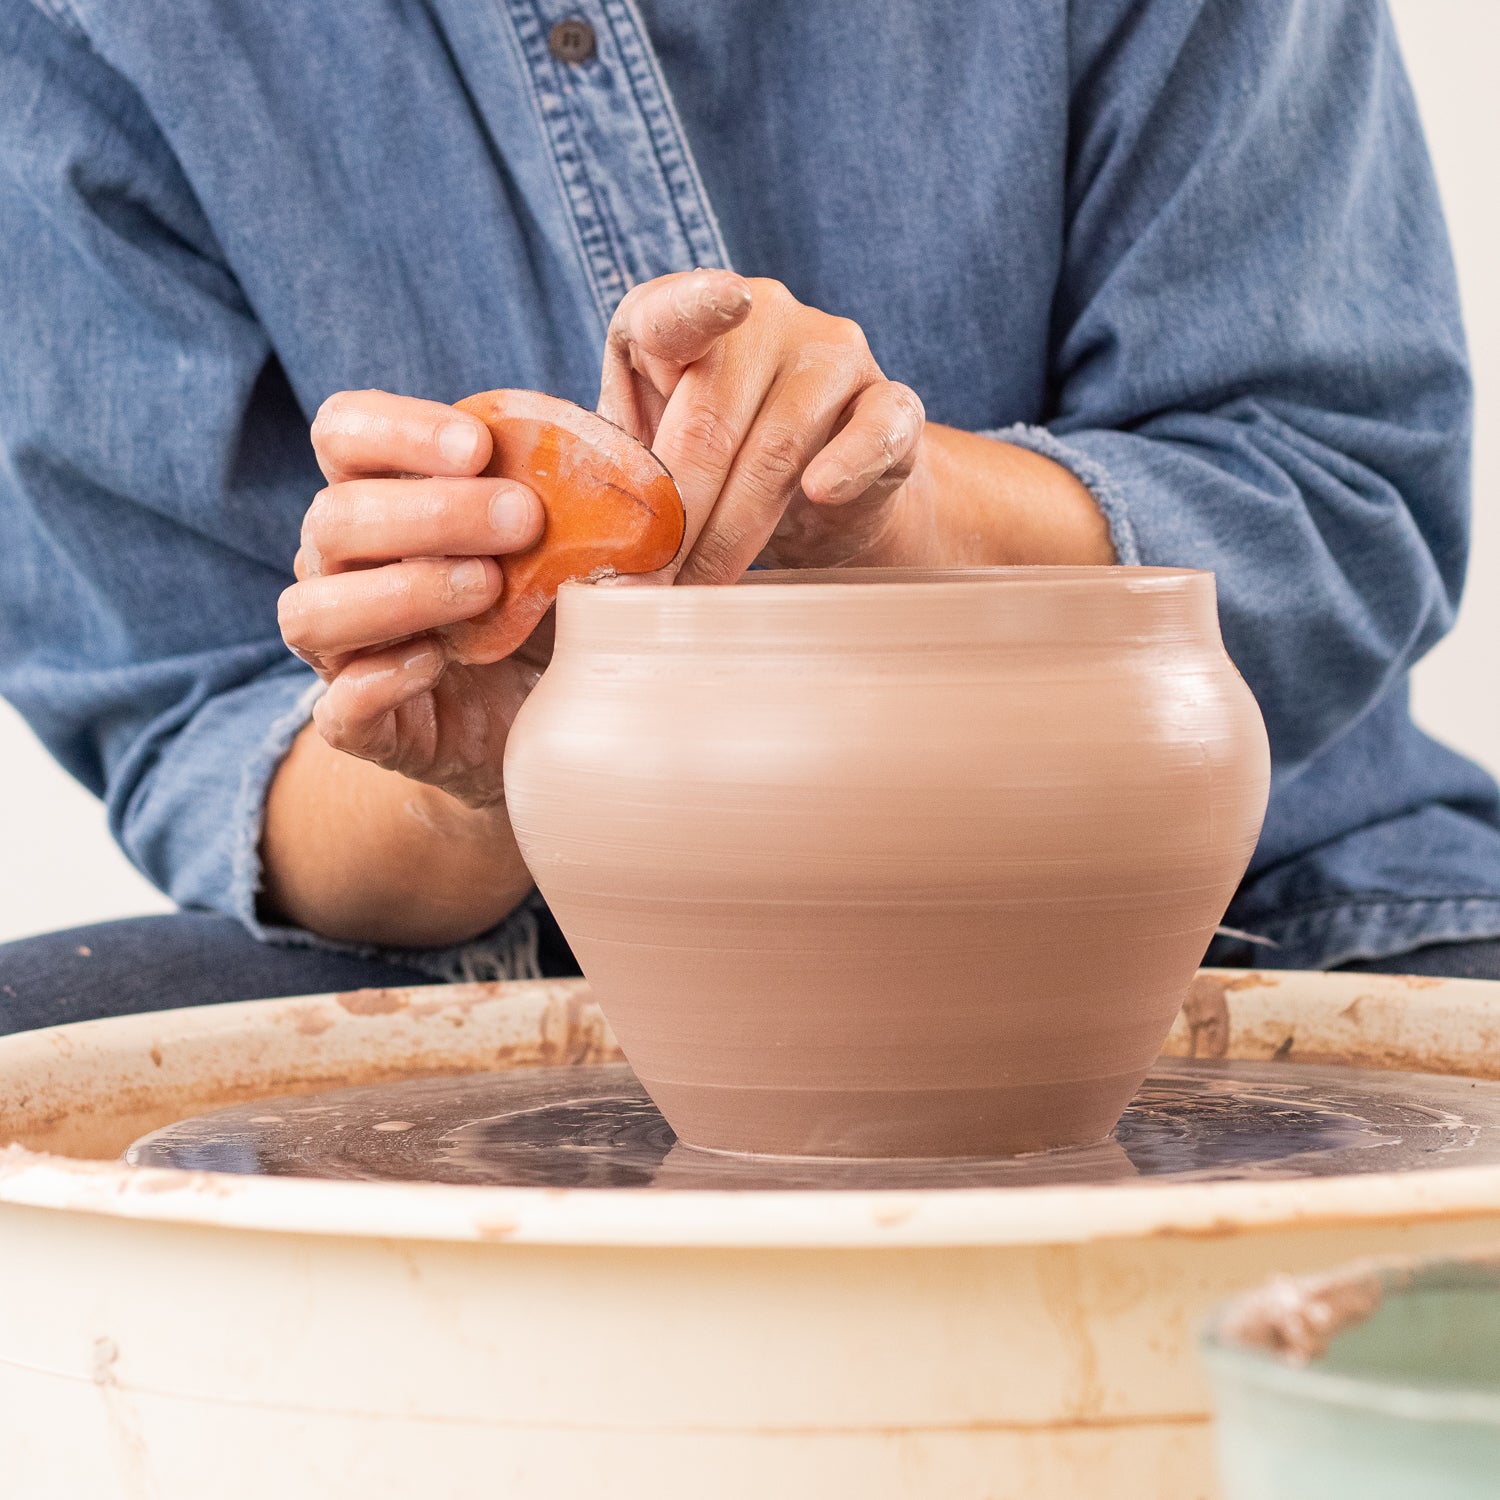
<point x="196" y="1336"/>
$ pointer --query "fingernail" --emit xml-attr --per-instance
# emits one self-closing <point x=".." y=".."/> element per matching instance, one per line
<point x="729" y="301"/>
<point x="458" y="442"/>
<point x="510" y="515"/>
<point x="844" y="487"/>
<point x="423" y="660"/>
<point x="468" y="577"/>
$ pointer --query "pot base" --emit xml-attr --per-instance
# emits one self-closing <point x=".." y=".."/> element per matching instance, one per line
<point x="1012" y="1120"/>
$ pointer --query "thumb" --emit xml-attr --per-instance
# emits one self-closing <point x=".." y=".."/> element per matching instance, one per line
<point x="659" y="328"/>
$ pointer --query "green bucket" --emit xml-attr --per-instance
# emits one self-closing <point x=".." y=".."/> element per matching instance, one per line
<point x="1381" y="1382"/>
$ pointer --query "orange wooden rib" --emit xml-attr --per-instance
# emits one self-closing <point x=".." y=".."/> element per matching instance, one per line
<point x="611" y="506"/>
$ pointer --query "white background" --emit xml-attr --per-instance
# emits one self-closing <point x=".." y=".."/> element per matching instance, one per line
<point x="58" y="867"/>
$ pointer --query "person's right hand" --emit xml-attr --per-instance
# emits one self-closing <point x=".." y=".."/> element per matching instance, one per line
<point x="400" y="543"/>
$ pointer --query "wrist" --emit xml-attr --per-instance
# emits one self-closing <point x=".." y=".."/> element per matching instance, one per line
<point x="455" y="819"/>
<point x="360" y="854"/>
<point x="998" y="505"/>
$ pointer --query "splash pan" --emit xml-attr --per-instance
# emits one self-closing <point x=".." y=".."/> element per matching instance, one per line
<point x="176" y="1334"/>
<point x="597" y="1128"/>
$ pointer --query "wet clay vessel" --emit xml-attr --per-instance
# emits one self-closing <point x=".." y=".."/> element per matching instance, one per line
<point x="611" y="507"/>
<point x="891" y="863"/>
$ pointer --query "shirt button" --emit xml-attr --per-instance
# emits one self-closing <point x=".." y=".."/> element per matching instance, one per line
<point x="572" y="41"/>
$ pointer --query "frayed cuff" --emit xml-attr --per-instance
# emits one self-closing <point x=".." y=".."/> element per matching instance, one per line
<point x="507" y="951"/>
<point x="1093" y="476"/>
<point x="1361" y="927"/>
<point x="245" y="871"/>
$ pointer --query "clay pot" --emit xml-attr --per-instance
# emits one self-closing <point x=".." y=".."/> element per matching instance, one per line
<point x="891" y="863"/>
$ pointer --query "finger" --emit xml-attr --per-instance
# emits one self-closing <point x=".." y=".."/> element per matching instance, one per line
<point x="358" y="712"/>
<point x="365" y="521"/>
<point x="678" y="318"/>
<point x="658" y="329"/>
<point x="702" y="428"/>
<point x="876" y="446"/>
<point x="366" y="433"/>
<point x="794" y="423"/>
<point x="324" y="619"/>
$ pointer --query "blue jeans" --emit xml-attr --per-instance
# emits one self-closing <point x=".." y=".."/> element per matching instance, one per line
<point x="196" y="958"/>
<point x="188" y="958"/>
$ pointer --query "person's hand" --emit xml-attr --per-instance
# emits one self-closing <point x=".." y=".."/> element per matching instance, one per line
<point x="400" y="543"/>
<point x="788" y="443"/>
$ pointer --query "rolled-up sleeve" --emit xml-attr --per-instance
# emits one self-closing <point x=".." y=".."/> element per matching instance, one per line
<point x="1259" y="365"/>
<point x="154" y="467"/>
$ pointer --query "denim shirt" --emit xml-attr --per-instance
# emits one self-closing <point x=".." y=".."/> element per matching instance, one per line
<point x="1191" y="249"/>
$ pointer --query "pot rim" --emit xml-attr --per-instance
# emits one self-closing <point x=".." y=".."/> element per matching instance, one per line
<point x="895" y="609"/>
<point x="827" y="581"/>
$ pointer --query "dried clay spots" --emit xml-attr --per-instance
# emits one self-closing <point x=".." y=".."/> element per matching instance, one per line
<point x="611" y="508"/>
<point x="891" y="863"/>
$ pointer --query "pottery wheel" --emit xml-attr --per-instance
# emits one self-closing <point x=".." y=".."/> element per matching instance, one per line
<point x="596" y="1127"/>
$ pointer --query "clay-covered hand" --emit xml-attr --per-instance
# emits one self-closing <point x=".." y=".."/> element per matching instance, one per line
<point x="787" y="441"/>
<point x="401" y="543"/>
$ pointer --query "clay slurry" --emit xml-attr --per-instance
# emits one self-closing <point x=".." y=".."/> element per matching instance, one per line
<point x="595" y="1126"/>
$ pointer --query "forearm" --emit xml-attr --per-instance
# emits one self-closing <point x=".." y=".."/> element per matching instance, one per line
<point x="1331" y="576"/>
<point x="360" y="854"/>
<point x="984" y="503"/>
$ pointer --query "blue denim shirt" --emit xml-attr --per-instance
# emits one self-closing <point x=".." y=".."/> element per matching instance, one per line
<point x="1189" y="248"/>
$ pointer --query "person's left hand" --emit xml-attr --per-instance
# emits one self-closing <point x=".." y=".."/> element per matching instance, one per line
<point x="787" y="441"/>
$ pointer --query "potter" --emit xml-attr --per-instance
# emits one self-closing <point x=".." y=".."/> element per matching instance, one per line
<point x="890" y="863"/>
<point x="978" y="421"/>
<point x="1011" y="285"/>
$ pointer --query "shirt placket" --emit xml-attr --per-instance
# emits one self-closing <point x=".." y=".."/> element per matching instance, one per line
<point x="622" y="162"/>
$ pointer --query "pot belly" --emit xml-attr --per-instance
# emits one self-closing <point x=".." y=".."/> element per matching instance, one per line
<point x="930" y="1018"/>
<point x="932" y="1001"/>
